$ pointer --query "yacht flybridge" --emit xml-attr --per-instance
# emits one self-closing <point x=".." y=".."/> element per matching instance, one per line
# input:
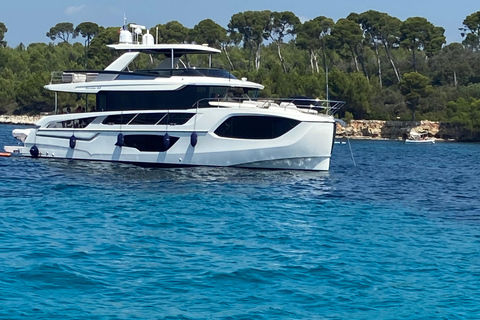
<point x="179" y="115"/>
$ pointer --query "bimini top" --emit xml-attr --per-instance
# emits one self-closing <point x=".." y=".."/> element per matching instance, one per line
<point x="167" y="49"/>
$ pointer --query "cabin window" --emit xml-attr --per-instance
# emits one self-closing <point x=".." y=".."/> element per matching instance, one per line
<point x="148" y="143"/>
<point x="148" y="118"/>
<point x="176" y="118"/>
<point x="184" y="98"/>
<point x="255" y="127"/>
<point x="159" y="118"/>
<point x="118" y="119"/>
<point x="77" y="123"/>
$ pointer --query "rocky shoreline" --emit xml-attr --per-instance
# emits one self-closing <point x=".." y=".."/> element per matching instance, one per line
<point x="26" y="120"/>
<point x="391" y="130"/>
<point x="356" y="129"/>
<point x="395" y="130"/>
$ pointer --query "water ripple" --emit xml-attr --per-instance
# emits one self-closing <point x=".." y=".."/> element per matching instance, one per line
<point x="396" y="237"/>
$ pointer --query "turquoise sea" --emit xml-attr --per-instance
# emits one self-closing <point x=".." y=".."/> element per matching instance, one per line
<point x="396" y="237"/>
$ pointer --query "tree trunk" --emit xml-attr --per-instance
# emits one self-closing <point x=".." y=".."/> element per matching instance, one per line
<point x="314" y="61"/>
<point x="379" y="65"/>
<point x="354" y="57"/>
<point x="279" y="44"/>
<point x="362" y="63"/>
<point x="228" y="57"/>
<point x="397" y="74"/>
<point x="414" y="60"/>
<point x="257" y="58"/>
<point x="250" y="60"/>
<point x="312" y="58"/>
<point x="324" y="59"/>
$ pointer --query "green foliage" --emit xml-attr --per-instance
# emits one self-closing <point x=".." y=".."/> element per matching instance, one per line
<point x="63" y="31"/>
<point x="470" y="91"/>
<point x="465" y="113"/>
<point x="172" y="32"/>
<point x="471" y="31"/>
<point x="3" y="30"/>
<point x="8" y="93"/>
<point x="88" y="30"/>
<point x="31" y="96"/>
<point x="363" y="52"/>
<point x="99" y="56"/>
<point x="413" y="87"/>
<point x="389" y="104"/>
<point x="313" y="36"/>
<point x="254" y="27"/>
<point x="380" y="29"/>
<point x="347" y="34"/>
<point x="209" y="32"/>
<point x="282" y="24"/>
<point x="453" y="66"/>
<point x="354" y="89"/>
<point x="348" y="117"/>
<point x="419" y="34"/>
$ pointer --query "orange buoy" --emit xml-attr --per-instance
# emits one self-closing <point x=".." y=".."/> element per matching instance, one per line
<point x="5" y="154"/>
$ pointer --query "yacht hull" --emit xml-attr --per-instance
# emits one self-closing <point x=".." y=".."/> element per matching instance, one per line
<point x="307" y="146"/>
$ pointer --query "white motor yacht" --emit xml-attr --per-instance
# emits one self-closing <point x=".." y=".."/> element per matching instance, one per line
<point x="419" y="137"/>
<point x="178" y="115"/>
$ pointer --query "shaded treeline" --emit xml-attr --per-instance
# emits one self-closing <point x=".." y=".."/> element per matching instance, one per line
<point x="384" y="68"/>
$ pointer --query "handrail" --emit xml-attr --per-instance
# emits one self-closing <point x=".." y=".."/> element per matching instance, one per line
<point x="329" y="107"/>
<point x="77" y="76"/>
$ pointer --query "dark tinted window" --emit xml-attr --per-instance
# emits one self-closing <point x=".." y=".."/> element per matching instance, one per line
<point x="148" y="118"/>
<point x="217" y="73"/>
<point x="255" y="127"/>
<point x="77" y="123"/>
<point x="176" y="118"/>
<point x="145" y="142"/>
<point x="161" y="100"/>
<point x="118" y="119"/>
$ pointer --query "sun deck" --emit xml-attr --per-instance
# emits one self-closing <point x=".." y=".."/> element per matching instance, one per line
<point x="74" y="76"/>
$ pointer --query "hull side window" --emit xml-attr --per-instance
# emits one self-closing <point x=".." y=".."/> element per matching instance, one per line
<point x="255" y="127"/>
<point x="148" y="143"/>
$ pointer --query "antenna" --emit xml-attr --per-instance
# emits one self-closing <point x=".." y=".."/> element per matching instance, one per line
<point x="137" y="31"/>
<point x="326" y="76"/>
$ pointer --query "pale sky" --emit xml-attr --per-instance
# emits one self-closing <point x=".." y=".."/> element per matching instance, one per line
<point x="28" y="21"/>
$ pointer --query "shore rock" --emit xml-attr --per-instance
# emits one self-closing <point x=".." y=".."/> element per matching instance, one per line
<point x="377" y="129"/>
<point x="6" y="119"/>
